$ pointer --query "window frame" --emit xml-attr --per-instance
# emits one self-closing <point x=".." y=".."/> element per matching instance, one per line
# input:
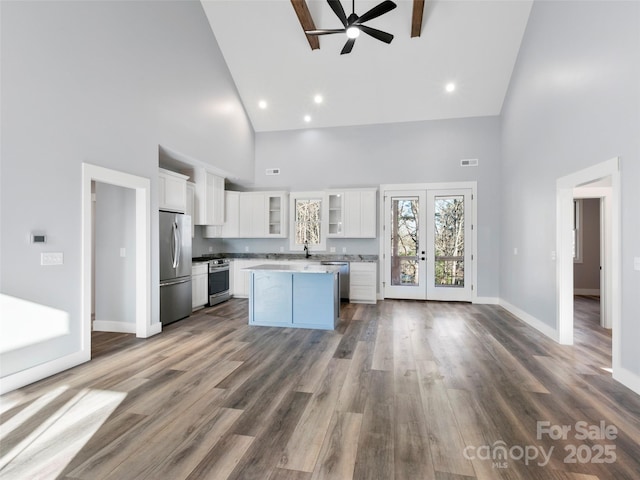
<point x="324" y="220"/>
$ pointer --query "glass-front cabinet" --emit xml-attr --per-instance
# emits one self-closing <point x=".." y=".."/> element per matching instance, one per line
<point x="336" y="212"/>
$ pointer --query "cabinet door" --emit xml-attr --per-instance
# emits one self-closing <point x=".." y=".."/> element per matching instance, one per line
<point x="191" y="207"/>
<point x="369" y="214"/>
<point x="252" y="215"/>
<point x="336" y="213"/>
<point x="362" y="282"/>
<point x="276" y="215"/>
<point x="214" y="199"/>
<point x="360" y="214"/>
<point x="231" y="227"/>
<point x="172" y="190"/>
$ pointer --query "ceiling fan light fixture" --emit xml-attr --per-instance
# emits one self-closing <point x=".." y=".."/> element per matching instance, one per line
<point x="353" y="32"/>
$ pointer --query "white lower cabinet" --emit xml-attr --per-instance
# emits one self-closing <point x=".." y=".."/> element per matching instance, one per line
<point x="362" y="282"/>
<point x="240" y="279"/>
<point x="199" y="285"/>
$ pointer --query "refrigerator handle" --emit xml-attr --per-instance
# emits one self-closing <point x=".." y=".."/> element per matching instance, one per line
<point x="174" y="249"/>
<point x="178" y="246"/>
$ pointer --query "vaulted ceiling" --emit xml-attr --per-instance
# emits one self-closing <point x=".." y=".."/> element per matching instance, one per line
<point x="472" y="44"/>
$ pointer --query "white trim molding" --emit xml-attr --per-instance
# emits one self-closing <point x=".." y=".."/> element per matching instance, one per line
<point x="530" y="320"/>
<point x="33" y="374"/>
<point x="113" y="326"/>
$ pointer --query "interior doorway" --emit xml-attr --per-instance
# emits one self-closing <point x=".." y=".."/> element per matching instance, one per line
<point x="600" y="181"/>
<point x="141" y="186"/>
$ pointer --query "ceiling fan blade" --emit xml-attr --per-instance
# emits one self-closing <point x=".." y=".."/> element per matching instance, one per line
<point x="324" y="32"/>
<point x="336" y="6"/>
<point x="376" y="11"/>
<point x="377" y="34"/>
<point x="348" y="46"/>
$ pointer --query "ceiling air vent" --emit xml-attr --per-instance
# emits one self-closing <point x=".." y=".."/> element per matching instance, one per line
<point x="273" y="171"/>
<point x="469" y="162"/>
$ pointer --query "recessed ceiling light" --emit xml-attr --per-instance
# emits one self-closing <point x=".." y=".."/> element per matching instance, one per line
<point x="450" y="87"/>
<point x="262" y="104"/>
<point x="307" y="118"/>
<point x="318" y="99"/>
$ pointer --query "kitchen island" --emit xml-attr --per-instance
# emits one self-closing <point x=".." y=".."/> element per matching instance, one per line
<point x="297" y="296"/>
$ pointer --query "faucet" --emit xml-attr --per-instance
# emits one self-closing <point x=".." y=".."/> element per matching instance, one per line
<point x="306" y="249"/>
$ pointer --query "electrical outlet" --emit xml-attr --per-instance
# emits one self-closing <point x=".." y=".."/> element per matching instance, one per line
<point x="553" y="255"/>
<point x="515" y="251"/>
<point x="344" y="249"/>
<point x="332" y="249"/>
<point x="123" y="252"/>
<point x="636" y="263"/>
<point x="210" y="249"/>
<point x="281" y="249"/>
<point x="51" y="258"/>
<point x="246" y="248"/>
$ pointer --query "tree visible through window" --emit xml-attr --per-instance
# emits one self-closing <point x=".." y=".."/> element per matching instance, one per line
<point x="308" y="221"/>
<point x="449" y="241"/>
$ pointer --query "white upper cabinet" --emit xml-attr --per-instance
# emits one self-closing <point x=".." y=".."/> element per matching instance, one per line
<point x="352" y="213"/>
<point x="209" y="200"/>
<point x="191" y="205"/>
<point x="252" y="215"/>
<point x="276" y="203"/>
<point x="231" y="226"/>
<point x="336" y="212"/>
<point x="172" y="191"/>
<point x="263" y="215"/>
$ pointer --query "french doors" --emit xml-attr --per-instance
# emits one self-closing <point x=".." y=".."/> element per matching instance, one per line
<point x="428" y="244"/>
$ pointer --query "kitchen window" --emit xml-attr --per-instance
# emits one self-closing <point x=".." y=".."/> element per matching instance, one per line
<point x="308" y="221"/>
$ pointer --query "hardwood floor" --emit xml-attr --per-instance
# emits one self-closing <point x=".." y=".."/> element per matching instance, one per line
<point x="402" y="390"/>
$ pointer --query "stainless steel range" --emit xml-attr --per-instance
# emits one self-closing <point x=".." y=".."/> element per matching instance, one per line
<point x="218" y="281"/>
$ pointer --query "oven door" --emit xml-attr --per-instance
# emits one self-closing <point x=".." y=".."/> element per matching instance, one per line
<point x="218" y="284"/>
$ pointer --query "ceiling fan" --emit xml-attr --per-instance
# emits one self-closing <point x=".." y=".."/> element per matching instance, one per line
<point x="353" y="25"/>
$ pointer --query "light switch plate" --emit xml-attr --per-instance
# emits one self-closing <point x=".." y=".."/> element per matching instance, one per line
<point x="636" y="263"/>
<point x="51" y="258"/>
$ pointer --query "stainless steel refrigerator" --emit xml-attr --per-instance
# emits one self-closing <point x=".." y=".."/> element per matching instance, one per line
<point x="175" y="266"/>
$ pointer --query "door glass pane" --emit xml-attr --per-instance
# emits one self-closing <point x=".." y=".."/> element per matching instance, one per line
<point x="449" y="241"/>
<point x="404" y="241"/>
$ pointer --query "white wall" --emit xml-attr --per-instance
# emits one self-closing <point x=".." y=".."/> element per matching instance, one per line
<point x="115" y="274"/>
<point x="104" y="83"/>
<point x="574" y="101"/>
<point x="417" y="152"/>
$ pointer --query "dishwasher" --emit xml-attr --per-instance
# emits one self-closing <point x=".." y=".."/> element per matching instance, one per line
<point x="343" y="277"/>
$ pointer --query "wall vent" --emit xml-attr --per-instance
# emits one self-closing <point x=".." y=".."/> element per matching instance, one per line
<point x="273" y="171"/>
<point x="469" y="162"/>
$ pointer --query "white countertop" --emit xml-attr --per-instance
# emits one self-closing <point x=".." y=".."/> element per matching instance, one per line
<point x="295" y="268"/>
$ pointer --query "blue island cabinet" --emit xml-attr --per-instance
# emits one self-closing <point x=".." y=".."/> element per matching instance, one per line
<point x="294" y="298"/>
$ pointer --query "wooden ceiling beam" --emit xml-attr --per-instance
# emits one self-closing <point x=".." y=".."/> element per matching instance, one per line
<point x="416" y="18"/>
<point x="306" y="22"/>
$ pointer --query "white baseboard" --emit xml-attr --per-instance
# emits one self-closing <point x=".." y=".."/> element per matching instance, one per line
<point x="31" y="375"/>
<point x="531" y="320"/>
<point x="486" y="300"/>
<point x="627" y="378"/>
<point x="587" y="291"/>
<point x="113" y="326"/>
